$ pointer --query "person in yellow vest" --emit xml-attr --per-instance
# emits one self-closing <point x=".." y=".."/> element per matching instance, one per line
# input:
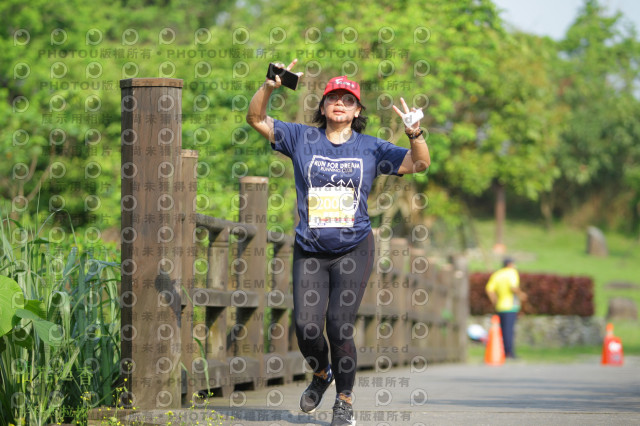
<point x="504" y="292"/>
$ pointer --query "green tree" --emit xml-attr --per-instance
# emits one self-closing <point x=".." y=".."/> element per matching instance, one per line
<point x="599" y="150"/>
<point x="490" y="98"/>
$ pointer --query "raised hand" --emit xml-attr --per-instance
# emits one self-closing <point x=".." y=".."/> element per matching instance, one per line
<point x="412" y="127"/>
<point x="277" y="82"/>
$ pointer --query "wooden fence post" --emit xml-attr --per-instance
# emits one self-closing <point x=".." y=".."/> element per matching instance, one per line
<point x="369" y="313"/>
<point x="421" y="312"/>
<point x="399" y="254"/>
<point x="445" y="278"/>
<point x="247" y="366"/>
<point x="216" y="318"/>
<point x="188" y="185"/>
<point x="151" y="294"/>
<point x="280" y="302"/>
<point x="461" y="279"/>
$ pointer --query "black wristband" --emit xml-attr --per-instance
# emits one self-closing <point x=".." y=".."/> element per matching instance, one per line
<point x="415" y="135"/>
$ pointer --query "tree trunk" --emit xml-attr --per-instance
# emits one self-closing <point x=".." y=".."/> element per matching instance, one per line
<point x="500" y="215"/>
<point x="546" y="208"/>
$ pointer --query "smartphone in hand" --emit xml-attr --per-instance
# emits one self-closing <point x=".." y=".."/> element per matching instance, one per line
<point x="287" y="78"/>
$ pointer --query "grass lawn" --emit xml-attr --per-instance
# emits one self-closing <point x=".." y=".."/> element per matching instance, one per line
<point x="561" y="250"/>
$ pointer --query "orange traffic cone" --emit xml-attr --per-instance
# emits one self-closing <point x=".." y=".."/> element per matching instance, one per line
<point x="494" y="351"/>
<point x="611" y="348"/>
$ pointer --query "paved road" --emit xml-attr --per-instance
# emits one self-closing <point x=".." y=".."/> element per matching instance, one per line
<point x="515" y="393"/>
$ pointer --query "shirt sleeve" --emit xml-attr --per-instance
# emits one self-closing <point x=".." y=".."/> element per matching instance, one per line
<point x="515" y="279"/>
<point x="491" y="285"/>
<point x="389" y="157"/>
<point x="286" y="136"/>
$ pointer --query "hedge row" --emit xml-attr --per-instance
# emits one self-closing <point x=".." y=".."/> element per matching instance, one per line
<point x="547" y="294"/>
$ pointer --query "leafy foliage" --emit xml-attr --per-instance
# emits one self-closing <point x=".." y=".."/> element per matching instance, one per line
<point x="512" y="108"/>
<point x="60" y="345"/>
<point x="599" y="83"/>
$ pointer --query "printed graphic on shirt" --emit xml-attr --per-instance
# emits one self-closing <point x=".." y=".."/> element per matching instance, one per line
<point x="334" y="191"/>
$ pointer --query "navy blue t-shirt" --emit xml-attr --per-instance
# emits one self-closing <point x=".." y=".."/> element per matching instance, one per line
<point x="328" y="172"/>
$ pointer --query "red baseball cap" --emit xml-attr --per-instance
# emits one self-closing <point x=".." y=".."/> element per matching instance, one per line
<point x="343" y="82"/>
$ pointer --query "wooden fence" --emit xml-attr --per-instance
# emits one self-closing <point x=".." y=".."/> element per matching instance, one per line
<point x="206" y="302"/>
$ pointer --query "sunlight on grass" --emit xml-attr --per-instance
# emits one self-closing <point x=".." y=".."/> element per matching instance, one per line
<point x="535" y="355"/>
<point x="562" y="250"/>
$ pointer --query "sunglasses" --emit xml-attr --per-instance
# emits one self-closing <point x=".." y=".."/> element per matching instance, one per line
<point x="348" y="100"/>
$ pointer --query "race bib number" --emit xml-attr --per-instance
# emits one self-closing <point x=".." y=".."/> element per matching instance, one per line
<point x="331" y="207"/>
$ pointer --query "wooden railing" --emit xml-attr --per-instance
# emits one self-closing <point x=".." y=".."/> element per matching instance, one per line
<point x="206" y="302"/>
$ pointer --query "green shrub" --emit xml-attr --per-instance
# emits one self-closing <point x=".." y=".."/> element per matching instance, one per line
<point x="59" y="328"/>
<point x="548" y="294"/>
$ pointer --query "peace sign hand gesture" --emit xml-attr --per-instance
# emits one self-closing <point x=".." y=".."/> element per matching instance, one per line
<point x="411" y="118"/>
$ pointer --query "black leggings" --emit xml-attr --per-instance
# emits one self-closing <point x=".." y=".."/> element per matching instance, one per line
<point x="330" y="287"/>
